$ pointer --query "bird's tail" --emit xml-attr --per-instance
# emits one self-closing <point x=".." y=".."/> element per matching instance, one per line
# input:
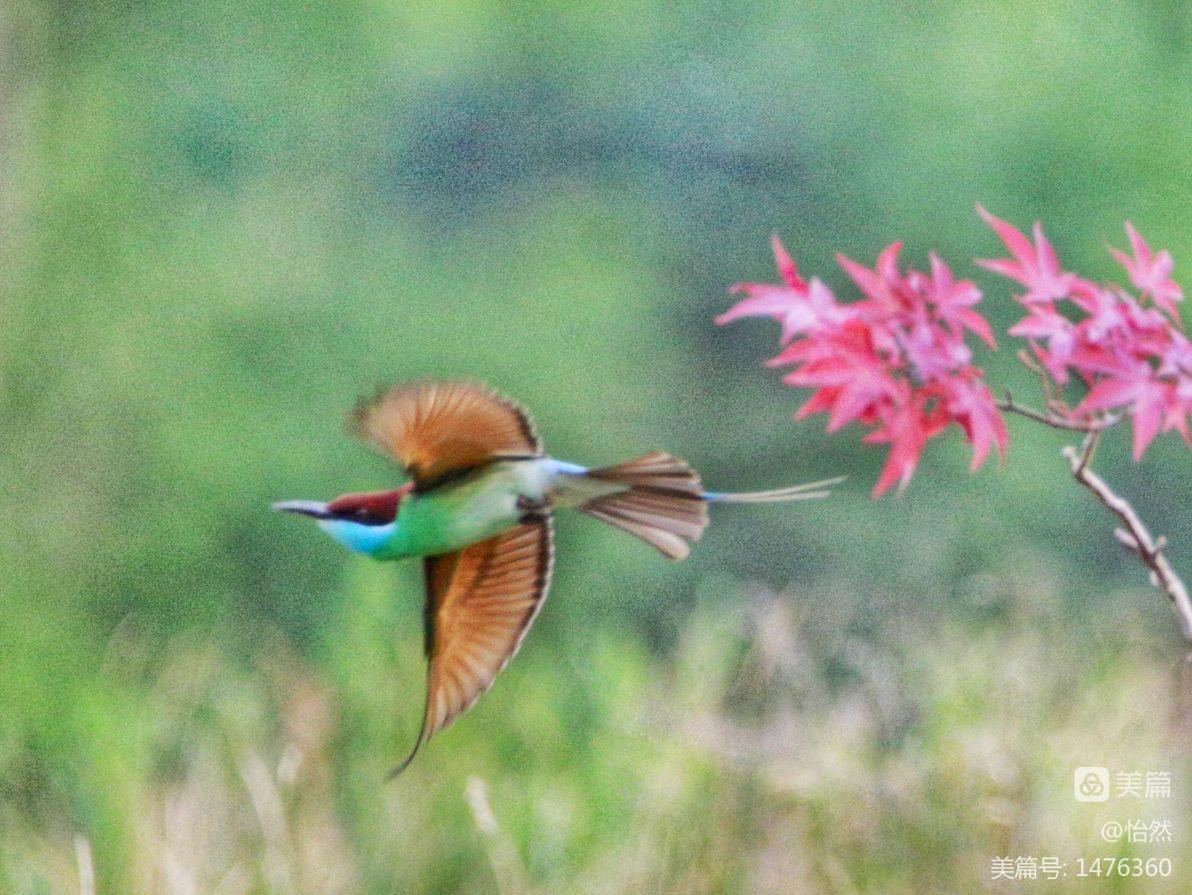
<point x="665" y="504"/>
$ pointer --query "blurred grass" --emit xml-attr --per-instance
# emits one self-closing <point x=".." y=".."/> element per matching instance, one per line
<point x="223" y="222"/>
<point x="774" y="749"/>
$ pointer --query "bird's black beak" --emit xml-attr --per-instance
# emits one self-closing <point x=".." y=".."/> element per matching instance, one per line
<point x="315" y="508"/>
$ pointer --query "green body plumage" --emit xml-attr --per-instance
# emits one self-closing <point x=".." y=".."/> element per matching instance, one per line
<point x="483" y="503"/>
<point x="478" y="506"/>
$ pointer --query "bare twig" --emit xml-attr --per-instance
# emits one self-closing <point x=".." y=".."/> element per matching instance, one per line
<point x="1057" y="421"/>
<point x="1051" y="395"/>
<point x="1087" y="448"/>
<point x="1056" y="412"/>
<point x="1133" y="534"/>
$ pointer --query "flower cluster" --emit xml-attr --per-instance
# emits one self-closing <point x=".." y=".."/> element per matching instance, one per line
<point x="1129" y="350"/>
<point x="895" y="360"/>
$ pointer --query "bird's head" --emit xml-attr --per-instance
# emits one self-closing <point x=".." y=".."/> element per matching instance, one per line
<point x="363" y="521"/>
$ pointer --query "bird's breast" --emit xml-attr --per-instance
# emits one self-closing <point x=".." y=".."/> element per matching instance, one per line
<point x="471" y="509"/>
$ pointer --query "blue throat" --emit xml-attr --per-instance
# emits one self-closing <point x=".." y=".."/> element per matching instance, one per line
<point x="367" y="539"/>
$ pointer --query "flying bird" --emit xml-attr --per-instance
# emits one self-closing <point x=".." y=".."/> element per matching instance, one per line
<point x="477" y="509"/>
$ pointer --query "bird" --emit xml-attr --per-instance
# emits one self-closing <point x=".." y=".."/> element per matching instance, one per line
<point x="477" y="509"/>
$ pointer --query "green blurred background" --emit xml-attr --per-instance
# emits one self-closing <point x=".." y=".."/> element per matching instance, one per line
<point x="223" y="221"/>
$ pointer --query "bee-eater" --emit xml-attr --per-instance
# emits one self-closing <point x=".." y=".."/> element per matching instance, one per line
<point x="478" y="511"/>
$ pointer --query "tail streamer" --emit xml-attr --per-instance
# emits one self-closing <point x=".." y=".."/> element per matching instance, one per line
<point x="664" y="502"/>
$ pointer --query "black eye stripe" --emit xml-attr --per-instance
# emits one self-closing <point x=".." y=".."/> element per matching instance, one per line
<point x="363" y="516"/>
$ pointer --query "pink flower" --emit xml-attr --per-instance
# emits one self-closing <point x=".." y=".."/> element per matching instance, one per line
<point x="1035" y="265"/>
<point x="906" y="427"/>
<point x="1154" y="386"/>
<point x="1151" y="272"/>
<point x="970" y="402"/>
<point x="955" y="300"/>
<point x="895" y="360"/>
<point x="1052" y="336"/>
<point x="799" y="306"/>
<point x="786" y="264"/>
<point x="1132" y="356"/>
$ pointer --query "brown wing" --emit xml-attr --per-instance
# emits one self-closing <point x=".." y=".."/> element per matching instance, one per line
<point x="436" y="428"/>
<point x="480" y="602"/>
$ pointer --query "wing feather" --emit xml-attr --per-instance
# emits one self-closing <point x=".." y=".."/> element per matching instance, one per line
<point x="438" y="428"/>
<point x="480" y="602"/>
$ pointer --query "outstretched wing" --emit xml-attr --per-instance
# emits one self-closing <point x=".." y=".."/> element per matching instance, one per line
<point x="480" y="602"/>
<point x="437" y="428"/>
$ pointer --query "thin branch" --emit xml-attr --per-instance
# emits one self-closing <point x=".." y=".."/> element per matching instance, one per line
<point x="1055" y="420"/>
<point x="1056" y="412"/>
<point x="1133" y="534"/>
<point x="1088" y="447"/>
<point x="1051" y="395"/>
